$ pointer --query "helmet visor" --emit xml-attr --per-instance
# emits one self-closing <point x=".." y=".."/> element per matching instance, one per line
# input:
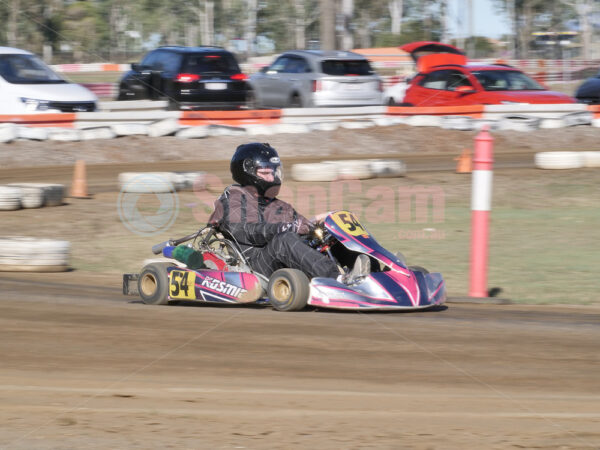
<point x="267" y="171"/>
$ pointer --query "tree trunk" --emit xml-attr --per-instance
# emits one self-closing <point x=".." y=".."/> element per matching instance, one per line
<point x="396" y="9"/>
<point x="347" y="14"/>
<point x="13" y="23"/>
<point x="364" y="32"/>
<point x="327" y="24"/>
<point x="444" y="21"/>
<point x="300" y="24"/>
<point x="251" y="27"/>
<point x="583" y="8"/>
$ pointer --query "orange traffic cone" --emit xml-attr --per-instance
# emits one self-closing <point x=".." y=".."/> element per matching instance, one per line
<point x="465" y="163"/>
<point x="79" y="186"/>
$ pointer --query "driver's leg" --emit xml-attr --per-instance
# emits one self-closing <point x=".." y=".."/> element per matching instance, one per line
<point x="289" y="250"/>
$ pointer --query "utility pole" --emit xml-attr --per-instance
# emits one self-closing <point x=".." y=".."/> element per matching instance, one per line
<point x="327" y="24"/>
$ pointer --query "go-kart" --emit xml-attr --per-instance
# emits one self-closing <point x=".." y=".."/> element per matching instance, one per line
<point x="226" y="277"/>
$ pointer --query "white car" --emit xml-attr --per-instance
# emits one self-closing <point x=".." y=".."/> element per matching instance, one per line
<point x="315" y="78"/>
<point x="394" y="95"/>
<point x="28" y="85"/>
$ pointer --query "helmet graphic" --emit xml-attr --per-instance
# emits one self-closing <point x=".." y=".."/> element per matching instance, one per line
<point x="257" y="165"/>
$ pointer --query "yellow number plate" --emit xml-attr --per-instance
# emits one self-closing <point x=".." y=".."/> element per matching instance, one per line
<point x="349" y="223"/>
<point x="182" y="284"/>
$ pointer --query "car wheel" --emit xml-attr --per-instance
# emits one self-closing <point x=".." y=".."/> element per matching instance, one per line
<point x="288" y="290"/>
<point x="153" y="284"/>
<point x="418" y="269"/>
<point x="295" y="101"/>
<point x="251" y="102"/>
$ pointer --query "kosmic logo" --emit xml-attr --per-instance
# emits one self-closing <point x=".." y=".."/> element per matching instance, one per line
<point x="148" y="203"/>
<point x="222" y="287"/>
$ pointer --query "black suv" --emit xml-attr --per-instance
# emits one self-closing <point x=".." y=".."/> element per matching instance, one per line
<point x="188" y="77"/>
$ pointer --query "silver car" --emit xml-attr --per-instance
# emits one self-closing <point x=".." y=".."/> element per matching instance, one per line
<point x="311" y="78"/>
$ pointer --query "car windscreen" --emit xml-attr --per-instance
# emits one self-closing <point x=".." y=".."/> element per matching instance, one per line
<point x="506" y="80"/>
<point x="210" y="63"/>
<point x="346" y="67"/>
<point x="27" y="69"/>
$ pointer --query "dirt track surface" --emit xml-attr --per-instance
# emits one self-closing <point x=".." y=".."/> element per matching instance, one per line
<point x="84" y="367"/>
<point x="81" y="366"/>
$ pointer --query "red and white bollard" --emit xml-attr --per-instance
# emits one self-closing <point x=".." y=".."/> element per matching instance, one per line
<point x="481" y="205"/>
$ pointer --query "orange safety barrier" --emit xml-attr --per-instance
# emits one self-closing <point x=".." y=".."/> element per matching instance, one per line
<point x="474" y="111"/>
<point x="594" y="109"/>
<point x="111" y="67"/>
<point x="63" y="120"/>
<point x="234" y="118"/>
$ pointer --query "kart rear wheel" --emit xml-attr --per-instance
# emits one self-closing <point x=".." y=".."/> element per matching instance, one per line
<point x="418" y="269"/>
<point x="153" y="284"/>
<point x="288" y="290"/>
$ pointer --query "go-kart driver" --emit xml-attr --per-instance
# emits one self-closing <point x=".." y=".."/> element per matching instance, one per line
<point x="268" y="230"/>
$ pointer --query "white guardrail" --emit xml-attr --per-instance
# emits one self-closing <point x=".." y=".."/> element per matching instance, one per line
<point x="142" y="118"/>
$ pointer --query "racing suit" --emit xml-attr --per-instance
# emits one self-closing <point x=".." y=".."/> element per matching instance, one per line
<point x="268" y="233"/>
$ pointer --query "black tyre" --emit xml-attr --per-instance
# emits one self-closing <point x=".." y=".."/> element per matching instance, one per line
<point x="295" y="101"/>
<point x="418" y="269"/>
<point x="172" y="105"/>
<point x="251" y="102"/>
<point x="288" y="290"/>
<point x="153" y="284"/>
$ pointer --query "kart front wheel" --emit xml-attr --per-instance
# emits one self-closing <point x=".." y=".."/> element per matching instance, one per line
<point x="153" y="284"/>
<point x="288" y="290"/>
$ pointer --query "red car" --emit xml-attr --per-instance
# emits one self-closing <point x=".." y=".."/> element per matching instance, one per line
<point x="445" y="79"/>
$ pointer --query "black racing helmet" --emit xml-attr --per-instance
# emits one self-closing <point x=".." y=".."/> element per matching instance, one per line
<point x="248" y="158"/>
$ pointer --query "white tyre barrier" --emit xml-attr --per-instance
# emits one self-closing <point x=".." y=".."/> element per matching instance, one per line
<point x="552" y="123"/>
<point x="386" y="168"/>
<point x="383" y="121"/>
<point x="578" y="118"/>
<point x="89" y="134"/>
<point x="8" y="132"/>
<point x="491" y="124"/>
<point x="146" y="182"/>
<point x="256" y="129"/>
<point x="559" y="160"/>
<point x="423" y="121"/>
<point x="520" y="123"/>
<point x="165" y="127"/>
<point x="25" y="254"/>
<point x="10" y="198"/>
<point x="64" y="134"/>
<point x="357" y="124"/>
<point x="32" y="133"/>
<point x="32" y="195"/>
<point x="193" y="132"/>
<point x="314" y="172"/>
<point x="462" y="123"/>
<point x="130" y="129"/>
<point x="591" y="159"/>
<point x="188" y="181"/>
<point x="352" y="169"/>
<point x="225" y="130"/>
<point x="291" y="128"/>
<point x="323" y="126"/>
